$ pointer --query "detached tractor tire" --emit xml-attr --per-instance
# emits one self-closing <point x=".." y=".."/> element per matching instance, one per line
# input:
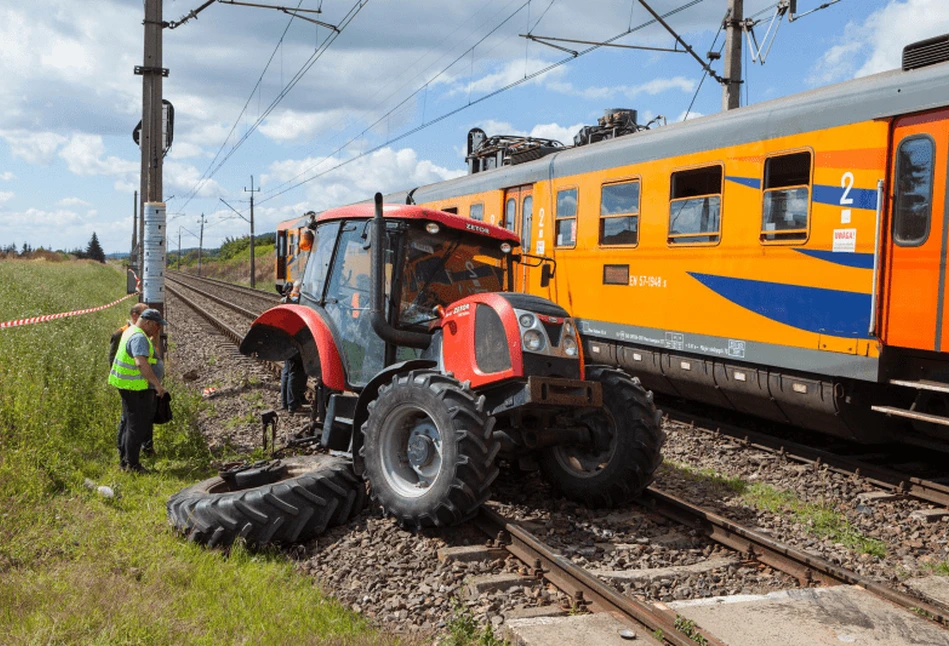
<point x="626" y="451"/>
<point x="289" y="502"/>
<point x="428" y="450"/>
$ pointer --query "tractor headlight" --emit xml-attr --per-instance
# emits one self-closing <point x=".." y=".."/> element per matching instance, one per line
<point x="569" y="345"/>
<point x="533" y="341"/>
<point x="526" y="320"/>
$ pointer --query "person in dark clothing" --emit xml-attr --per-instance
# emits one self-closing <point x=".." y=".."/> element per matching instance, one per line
<point x="132" y="373"/>
<point x="293" y="376"/>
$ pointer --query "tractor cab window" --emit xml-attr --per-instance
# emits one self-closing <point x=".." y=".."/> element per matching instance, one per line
<point x="318" y="263"/>
<point x="347" y="304"/>
<point x="443" y="268"/>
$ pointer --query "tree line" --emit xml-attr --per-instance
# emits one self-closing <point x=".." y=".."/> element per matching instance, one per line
<point x="93" y="251"/>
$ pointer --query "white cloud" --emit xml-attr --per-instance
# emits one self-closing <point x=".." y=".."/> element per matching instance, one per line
<point x="384" y="170"/>
<point x="510" y="72"/>
<point x="85" y="155"/>
<point x="651" y="88"/>
<point x="7" y="176"/>
<point x="5" y="196"/>
<point x="33" y="147"/>
<point x="72" y="201"/>
<point x="180" y="179"/>
<point x="876" y="44"/>
<point x="290" y="125"/>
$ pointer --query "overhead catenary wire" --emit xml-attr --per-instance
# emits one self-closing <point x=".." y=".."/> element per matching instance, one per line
<point x="278" y="191"/>
<point x="307" y="65"/>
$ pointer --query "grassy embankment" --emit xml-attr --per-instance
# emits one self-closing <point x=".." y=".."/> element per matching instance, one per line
<point x="79" y="568"/>
<point x="232" y="262"/>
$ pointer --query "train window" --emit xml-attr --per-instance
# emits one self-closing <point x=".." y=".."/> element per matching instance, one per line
<point x="696" y="206"/>
<point x="451" y="209"/>
<point x="786" y="200"/>
<point x="477" y="212"/>
<point x="510" y="213"/>
<point x="619" y="214"/>
<point x="914" y="191"/>
<point x="566" y="218"/>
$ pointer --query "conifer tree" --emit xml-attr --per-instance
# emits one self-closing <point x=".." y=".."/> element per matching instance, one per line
<point x="94" y="250"/>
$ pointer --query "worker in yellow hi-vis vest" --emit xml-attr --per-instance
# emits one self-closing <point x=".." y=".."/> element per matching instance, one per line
<point x="132" y="373"/>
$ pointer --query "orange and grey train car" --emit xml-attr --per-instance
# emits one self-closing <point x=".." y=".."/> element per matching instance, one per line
<point x="786" y="259"/>
<point x="292" y="249"/>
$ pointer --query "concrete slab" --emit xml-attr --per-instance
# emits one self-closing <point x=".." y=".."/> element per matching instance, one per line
<point x="870" y="497"/>
<point x="934" y="587"/>
<point x="598" y="629"/>
<point x="479" y="585"/>
<point x="929" y="515"/>
<point x="534" y="612"/>
<point x="470" y="553"/>
<point x="815" y="617"/>
<point x="654" y="574"/>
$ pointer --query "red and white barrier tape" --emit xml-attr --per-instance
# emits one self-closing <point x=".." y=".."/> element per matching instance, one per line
<point x="50" y="317"/>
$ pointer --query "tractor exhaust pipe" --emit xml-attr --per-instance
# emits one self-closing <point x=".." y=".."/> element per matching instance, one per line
<point x="377" y="310"/>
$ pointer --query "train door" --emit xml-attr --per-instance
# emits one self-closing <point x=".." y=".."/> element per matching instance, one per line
<point x="519" y="218"/>
<point x="281" y="269"/>
<point x="915" y="314"/>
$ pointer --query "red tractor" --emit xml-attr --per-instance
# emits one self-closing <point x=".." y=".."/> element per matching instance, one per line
<point x="430" y="369"/>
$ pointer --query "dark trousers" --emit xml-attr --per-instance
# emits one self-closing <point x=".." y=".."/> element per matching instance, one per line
<point x="292" y="384"/>
<point x="147" y="444"/>
<point x="138" y="411"/>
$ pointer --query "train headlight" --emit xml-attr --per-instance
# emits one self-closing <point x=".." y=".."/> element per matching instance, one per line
<point x="533" y="341"/>
<point x="568" y="329"/>
<point x="526" y="320"/>
<point x="569" y="345"/>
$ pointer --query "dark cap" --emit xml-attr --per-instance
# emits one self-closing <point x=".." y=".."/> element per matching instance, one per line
<point x="153" y="315"/>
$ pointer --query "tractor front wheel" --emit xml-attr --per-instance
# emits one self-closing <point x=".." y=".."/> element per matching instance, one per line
<point x="625" y="448"/>
<point x="428" y="449"/>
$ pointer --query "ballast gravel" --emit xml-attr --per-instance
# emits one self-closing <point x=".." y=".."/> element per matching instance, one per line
<point x="395" y="579"/>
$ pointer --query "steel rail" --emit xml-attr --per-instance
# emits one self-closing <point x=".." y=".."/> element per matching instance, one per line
<point x="252" y="291"/>
<point x="808" y="568"/>
<point x="583" y="586"/>
<point x="220" y="301"/>
<point x="878" y="476"/>
<point x="231" y="334"/>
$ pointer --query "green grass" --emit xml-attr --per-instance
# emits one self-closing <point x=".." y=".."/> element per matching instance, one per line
<point x="819" y="520"/>
<point x="79" y="568"/>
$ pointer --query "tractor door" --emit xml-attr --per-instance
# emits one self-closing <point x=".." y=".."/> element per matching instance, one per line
<point x="347" y="304"/>
<point x="915" y="314"/>
<point x="519" y="218"/>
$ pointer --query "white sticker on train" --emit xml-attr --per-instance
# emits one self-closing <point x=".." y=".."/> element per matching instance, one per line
<point x="845" y="240"/>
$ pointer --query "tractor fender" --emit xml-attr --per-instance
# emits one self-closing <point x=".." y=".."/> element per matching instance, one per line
<point x="282" y="331"/>
<point x="369" y="393"/>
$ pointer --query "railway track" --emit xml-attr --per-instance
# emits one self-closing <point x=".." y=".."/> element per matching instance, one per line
<point x="888" y="479"/>
<point x="585" y="591"/>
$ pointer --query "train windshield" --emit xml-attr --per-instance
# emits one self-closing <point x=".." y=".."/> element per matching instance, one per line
<point x="443" y="268"/>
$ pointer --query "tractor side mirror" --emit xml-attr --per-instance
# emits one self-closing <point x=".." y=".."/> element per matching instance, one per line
<point x="546" y="273"/>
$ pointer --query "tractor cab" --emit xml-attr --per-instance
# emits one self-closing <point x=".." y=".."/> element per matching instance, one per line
<point x="429" y="368"/>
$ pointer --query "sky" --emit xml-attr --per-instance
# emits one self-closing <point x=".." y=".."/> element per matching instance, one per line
<point x="320" y="118"/>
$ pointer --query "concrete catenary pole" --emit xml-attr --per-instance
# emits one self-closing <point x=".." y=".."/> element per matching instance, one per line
<point x="731" y="89"/>
<point x="200" y="244"/>
<point x="150" y="139"/>
<point x="253" y="272"/>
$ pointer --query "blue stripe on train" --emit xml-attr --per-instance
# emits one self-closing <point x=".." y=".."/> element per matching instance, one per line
<point x="813" y="309"/>
<point x="863" y="198"/>
<point x="750" y="182"/>
<point x="858" y="260"/>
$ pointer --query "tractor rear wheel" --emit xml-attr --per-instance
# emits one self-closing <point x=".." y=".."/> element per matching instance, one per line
<point x="428" y="449"/>
<point x="626" y="445"/>
<point x="289" y="501"/>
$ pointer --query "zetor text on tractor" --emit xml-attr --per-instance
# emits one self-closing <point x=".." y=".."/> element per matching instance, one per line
<point x="431" y="368"/>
